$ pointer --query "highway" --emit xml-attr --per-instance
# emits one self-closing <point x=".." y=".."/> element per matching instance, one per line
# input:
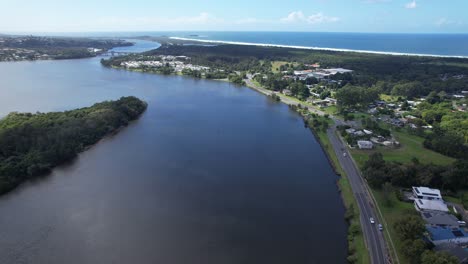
<point x="374" y="237"/>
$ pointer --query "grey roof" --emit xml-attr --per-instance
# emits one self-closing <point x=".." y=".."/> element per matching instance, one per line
<point x="439" y="218"/>
<point x="455" y="250"/>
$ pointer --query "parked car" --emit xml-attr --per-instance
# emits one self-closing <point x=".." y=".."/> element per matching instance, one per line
<point x="380" y="227"/>
<point x="372" y="221"/>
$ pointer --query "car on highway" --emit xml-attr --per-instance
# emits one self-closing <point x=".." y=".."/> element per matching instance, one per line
<point x="380" y="227"/>
<point x="372" y="221"/>
<point x="344" y="154"/>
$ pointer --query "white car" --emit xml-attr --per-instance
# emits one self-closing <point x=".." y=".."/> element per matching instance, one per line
<point x="380" y="227"/>
<point x="372" y="220"/>
<point x="344" y="154"/>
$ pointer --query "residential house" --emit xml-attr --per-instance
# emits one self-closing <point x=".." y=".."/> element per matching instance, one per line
<point x="436" y="218"/>
<point x="439" y="235"/>
<point x="364" y="144"/>
<point x="430" y="205"/>
<point x="427" y="193"/>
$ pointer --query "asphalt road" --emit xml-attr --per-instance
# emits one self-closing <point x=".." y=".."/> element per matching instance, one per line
<point x="374" y="237"/>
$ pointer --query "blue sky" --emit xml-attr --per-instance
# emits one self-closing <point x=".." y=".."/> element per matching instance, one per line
<point x="405" y="16"/>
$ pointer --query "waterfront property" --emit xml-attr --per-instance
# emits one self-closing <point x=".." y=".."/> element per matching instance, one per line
<point x="437" y="218"/>
<point x="430" y="205"/>
<point x="447" y="235"/>
<point x="459" y="251"/>
<point x="364" y="144"/>
<point x="427" y="193"/>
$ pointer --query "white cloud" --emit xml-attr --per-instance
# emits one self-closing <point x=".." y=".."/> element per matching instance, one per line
<point x="411" y="5"/>
<point x="295" y="16"/>
<point x="442" y="22"/>
<point x="318" y="18"/>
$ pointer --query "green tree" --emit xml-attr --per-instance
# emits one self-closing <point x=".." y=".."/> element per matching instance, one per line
<point x="430" y="257"/>
<point x="409" y="227"/>
<point x="413" y="249"/>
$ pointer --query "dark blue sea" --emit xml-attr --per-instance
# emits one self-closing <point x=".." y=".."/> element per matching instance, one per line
<point x="431" y="44"/>
<point x="428" y="44"/>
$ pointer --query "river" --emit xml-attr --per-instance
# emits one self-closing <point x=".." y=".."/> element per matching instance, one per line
<point x="211" y="173"/>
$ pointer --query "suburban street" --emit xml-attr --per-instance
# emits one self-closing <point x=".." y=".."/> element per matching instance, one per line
<point x="374" y="237"/>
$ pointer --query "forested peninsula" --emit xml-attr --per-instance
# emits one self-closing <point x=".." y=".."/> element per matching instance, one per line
<point x="32" y="144"/>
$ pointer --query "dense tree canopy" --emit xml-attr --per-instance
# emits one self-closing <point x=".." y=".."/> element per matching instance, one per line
<point x="377" y="171"/>
<point x="31" y="144"/>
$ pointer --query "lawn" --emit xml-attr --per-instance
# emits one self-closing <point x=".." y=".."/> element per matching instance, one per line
<point x="391" y="214"/>
<point x="275" y="65"/>
<point x="331" y="110"/>
<point x="411" y="147"/>
<point x="389" y="98"/>
<point x="461" y="197"/>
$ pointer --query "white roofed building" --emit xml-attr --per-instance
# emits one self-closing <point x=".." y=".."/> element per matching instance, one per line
<point x="430" y="205"/>
<point x="364" y="144"/>
<point x="427" y="193"/>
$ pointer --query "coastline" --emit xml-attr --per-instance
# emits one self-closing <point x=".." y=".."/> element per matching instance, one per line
<point x="319" y="48"/>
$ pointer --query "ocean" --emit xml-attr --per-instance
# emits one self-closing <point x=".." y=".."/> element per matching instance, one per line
<point x="453" y="45"/>
<point x="419" y="44"/>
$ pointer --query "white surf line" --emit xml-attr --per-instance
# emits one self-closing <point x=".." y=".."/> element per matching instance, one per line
<point x="318" y="48"/>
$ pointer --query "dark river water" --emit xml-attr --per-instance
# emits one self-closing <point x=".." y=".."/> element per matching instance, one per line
<point x="211" y="173"/>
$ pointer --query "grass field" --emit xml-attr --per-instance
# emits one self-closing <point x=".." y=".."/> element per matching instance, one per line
<point x="392" y="213"/>
<point x="275" y="65"/>
<point x="411" y="146"/>
<point x="388" y="98"/>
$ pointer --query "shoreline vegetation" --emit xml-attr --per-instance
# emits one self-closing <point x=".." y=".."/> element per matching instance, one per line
<point x="420" y="89"/>
<point x="31" y="145"/>
<point x="216" y="42"/>
<point x="30" y="48"/>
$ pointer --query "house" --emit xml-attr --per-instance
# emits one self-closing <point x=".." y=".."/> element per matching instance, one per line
<point x="287" y="92"/>
<point x="337" y="70"/>
<point x="459" y="251"/>
<point x="446" y="235"/>
<point x="387" y="143"/>
<point x="331" y="100"/>
<point x="368" y="132"/>
<point x="430" y="205"/>
<point x="373" y="111"/>
<point x="427" y="193"/>
<point x="350" y="131"/>
<point x="359" y="133"/>
<point x="364" y="144"/>
<point x="435" y="218"/>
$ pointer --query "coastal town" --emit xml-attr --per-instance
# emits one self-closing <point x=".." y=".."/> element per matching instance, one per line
<point x="367" y="124"/>
<point x="29" y="48"/>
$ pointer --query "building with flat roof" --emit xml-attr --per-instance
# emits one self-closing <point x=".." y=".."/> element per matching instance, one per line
<point x="436" y="218"/>
<point x="459" y="251"/>
<point x="444" y="235"/>
<point x="427" y="193"/>
<point x="430" y="205"/>
<point x="334" y="71"/>
<point x="364" y="144"/>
